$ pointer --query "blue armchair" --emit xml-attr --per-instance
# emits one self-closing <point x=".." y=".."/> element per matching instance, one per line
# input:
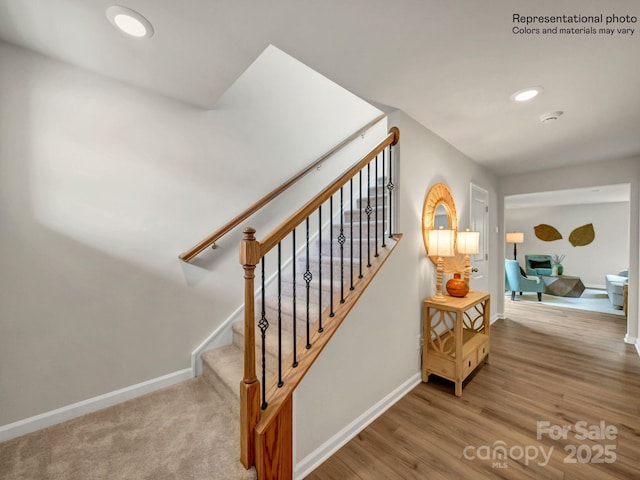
<point x="516" y="282"/>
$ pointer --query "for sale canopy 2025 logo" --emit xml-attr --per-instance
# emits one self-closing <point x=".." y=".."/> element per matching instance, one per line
<point x="588" y="443"/>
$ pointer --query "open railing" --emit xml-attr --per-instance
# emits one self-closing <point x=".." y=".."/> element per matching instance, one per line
<point x="337" y="258"/>
<point x="241" y="217"/>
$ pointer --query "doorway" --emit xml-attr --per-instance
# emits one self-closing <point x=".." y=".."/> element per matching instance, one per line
<point x="603" y="209"/>
<point x="479" y="278"/>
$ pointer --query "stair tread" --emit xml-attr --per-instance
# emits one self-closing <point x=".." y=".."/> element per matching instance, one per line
<point x="228" y="364"/>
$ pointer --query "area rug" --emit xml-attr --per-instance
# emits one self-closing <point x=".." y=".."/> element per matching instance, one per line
<point x="592" y="299"/>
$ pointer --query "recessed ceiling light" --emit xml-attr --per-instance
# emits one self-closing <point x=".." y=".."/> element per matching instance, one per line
<point x="129" y="21"/>
<point x="526" y="94"/>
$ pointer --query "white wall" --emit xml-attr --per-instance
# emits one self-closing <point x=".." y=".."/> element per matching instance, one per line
<point x="376" y="350"/>
<point x="607" y="172"/>
<point x="102" y="186"/>
<point x="608" y="253"/>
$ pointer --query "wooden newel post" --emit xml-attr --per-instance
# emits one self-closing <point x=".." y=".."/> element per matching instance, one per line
<point x="249" y="386"/>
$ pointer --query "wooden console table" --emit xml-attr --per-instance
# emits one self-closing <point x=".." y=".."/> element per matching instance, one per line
<point x="456" y="337"/>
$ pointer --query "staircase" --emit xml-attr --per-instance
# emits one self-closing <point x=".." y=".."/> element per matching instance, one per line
<point x="300" y="282"/>
<point x="223" y="367"/>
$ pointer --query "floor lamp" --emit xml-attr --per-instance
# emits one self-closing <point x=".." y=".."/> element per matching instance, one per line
<point x="468" y="243"/>
<point x="515" y="238"/>
<point x="441" y="244"/>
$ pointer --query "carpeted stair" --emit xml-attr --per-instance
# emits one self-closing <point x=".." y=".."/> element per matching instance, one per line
<point x="223" y="367"/>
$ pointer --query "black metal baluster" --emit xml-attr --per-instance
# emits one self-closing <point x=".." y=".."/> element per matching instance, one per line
<point x="360" y="224"/>
<point x="351" y="230"/>
<point x="307" y="278"/>
<point x="376" y="211"/>
<point x="383" y="199"/>
<point x="331" y="314"/>
<point x="341" y="240"/>
<point x="320" y="329"/>
<point x="390" y="188"/>
<point x="280" y="382"/>
<point x="369" y="210"/>
<point x="263" y="324"/>
<point x="295" y="340"/>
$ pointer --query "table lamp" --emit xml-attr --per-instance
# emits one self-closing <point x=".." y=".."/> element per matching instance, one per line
<point x="515" y="238"/>
<point x="441" y="244"/>
<point x="468" y="243"/>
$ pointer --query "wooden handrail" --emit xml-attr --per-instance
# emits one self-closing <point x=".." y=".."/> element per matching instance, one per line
<point x="241" y="217"/>
<point x="294" y="220"/>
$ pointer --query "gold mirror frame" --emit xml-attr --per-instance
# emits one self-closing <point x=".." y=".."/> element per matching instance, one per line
<point x="440" y="194"/>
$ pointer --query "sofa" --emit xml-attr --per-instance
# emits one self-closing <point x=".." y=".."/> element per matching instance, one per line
<point x="539" y="265"/>
<point x="615" y="287"/>
<point x="516" y="282"/>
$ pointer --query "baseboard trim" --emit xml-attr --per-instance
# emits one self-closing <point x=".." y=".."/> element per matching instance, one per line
<point x="322" y="453"/>
<point x="59" y="415"/>
<point x="633" y="341"/>
<point x="495" y="317"/>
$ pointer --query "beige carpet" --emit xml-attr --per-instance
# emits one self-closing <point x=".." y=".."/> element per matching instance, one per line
<point x="183" y="432"/>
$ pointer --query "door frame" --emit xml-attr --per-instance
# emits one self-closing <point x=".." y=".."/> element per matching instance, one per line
<point x="475" y="189"/>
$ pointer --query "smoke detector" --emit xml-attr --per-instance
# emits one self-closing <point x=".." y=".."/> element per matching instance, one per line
<point x="551" y="117"/>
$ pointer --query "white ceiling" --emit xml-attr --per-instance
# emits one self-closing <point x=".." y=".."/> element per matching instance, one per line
<point x="450" y="65"/>
<point x="574" y="196"/>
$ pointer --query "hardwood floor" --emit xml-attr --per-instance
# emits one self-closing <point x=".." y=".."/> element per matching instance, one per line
<point x="547" y="364"/>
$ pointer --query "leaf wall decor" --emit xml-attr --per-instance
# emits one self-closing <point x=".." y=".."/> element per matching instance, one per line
<point x="582" y="236"/>
<point x="546" y="232"/>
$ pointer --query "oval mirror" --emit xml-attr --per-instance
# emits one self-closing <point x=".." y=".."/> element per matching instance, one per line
<point x="439" y="210"/>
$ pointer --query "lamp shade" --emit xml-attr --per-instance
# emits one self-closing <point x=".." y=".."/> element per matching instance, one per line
<point x="515" y="237"/>
<point x="441" y="242"/>
<point x="468" y="242"/>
